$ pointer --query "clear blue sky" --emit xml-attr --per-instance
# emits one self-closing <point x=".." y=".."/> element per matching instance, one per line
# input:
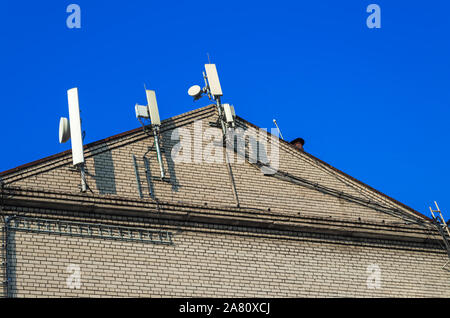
<point x="374" y="103"/>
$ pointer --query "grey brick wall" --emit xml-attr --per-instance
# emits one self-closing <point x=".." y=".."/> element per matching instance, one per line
<point x="224" y="262"/>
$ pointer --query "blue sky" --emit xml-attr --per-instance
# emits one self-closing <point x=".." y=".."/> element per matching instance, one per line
<point x="374" y="103"/>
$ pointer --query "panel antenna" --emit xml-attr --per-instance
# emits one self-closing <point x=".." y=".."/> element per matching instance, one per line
<point x="213" y="89"/>
<point x="151" y="113"/>
<point x="71" y="129"/>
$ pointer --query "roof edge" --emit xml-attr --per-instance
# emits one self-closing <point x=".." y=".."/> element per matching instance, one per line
<point x="287" y="143"/>
<point x="189" y="113"/>
<point x="98" y="142"/>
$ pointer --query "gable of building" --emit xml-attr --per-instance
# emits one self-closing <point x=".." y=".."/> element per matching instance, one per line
<point x="126" y="166"/>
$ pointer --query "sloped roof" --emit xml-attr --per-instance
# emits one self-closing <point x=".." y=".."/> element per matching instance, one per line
<point x="66" y="152"/>
<point x="347" y="175"/>
<point x="193" y="114"/>
<point x="96" y="143"/>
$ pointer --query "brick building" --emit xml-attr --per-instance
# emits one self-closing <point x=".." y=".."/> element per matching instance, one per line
<point x="209" y="228"/>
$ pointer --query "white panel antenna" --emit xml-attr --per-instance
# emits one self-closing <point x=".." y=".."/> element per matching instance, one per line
<point x="76" y="135"/>
<point x="151" y="112"/>
<point x="153" y="107"/>
<point x="226" y="118"/>
<point x="229" y="114"/>
<point x="213" y="80"/>
<point x="71" y="129"/>
<point x="232" y="111"/>
<point x="214" y="91"/>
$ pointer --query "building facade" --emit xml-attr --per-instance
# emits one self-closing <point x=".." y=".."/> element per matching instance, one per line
<point x="209" y="228"/>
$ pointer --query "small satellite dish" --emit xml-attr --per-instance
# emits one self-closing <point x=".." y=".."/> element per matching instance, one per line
<point x="64" y="130"/>
<point x="195" y="91"/>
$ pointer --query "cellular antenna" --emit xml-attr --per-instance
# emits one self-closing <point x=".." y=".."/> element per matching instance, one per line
<point x="213" y="89"/>
<point x="151" y="113"/>
<point x="71" y="129"/>
<point x="213" y="80"/>
<point x="227" y="115"/>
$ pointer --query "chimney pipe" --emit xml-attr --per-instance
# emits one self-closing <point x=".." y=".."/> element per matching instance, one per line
<point x="298" y="143"/>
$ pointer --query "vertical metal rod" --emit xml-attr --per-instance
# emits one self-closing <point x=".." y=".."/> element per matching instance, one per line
<point x="224" y="131"/>
<point x="158" y="150"/>
<point x="8" y="220"/>
<point x="206" y="85"/>
<point x="224" y="139"/>
<point x="275" y="122"/>
<point x="136" y="172"/>
<point x="5" y="257"/>
<point x="147" y="174"/>
<point x="83" y="178"/>
<point x="222" y="122"/>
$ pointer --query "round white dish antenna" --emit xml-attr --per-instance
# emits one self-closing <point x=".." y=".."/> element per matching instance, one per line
<point x="195" y="91"/>
<point x="64" y="130"/>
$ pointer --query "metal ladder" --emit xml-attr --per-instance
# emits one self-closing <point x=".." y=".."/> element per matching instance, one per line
<point x="443" y="229"/>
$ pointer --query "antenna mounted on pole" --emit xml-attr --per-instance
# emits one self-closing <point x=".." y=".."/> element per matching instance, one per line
<point x="71" y="129"/>
<point x="150" y="112"/>
<point x="213" y="89"/>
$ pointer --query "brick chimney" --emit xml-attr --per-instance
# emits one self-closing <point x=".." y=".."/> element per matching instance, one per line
<point x="298" y="143"/>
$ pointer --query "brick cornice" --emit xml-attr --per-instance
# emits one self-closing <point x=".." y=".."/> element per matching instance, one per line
<point x="135" y="207"/>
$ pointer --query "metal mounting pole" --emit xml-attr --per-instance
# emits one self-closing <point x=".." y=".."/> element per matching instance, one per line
<point x="224" y="126"/>
<point x="5" y="257"/>
<point x="7" y="282"/>
<point x="222" y="122"/>
<point x="224" y="131"/>
<point x="83" y="178"/>
<point x="158" y="150"/>
<point x="275" y="122"/>
<point x="138" y="180"/>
